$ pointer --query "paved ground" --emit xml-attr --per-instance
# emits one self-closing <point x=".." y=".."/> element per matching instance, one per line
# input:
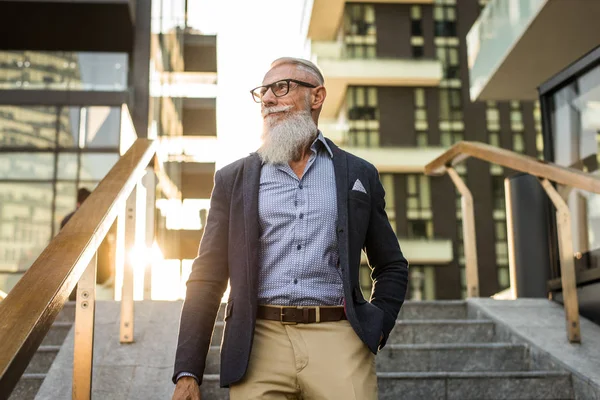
<point x="541" y="323"/>
<point x="141" y="370"/>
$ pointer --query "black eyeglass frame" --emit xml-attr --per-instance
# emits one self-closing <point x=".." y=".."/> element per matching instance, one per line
<point x="287" y="81"/>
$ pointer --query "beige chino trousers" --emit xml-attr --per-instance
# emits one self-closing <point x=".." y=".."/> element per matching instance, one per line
<point x="318" y="361"/>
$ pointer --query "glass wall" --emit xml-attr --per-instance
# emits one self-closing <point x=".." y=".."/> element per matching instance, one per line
<point x="574" y="122"/>
<point x="35" y="70"/>
<point x="46" y="154"/>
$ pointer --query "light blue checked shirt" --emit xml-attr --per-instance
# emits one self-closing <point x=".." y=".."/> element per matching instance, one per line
<point x="298" y="251"/>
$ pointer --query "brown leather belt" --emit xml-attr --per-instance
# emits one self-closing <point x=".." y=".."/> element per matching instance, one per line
<point x="301" y="315"/>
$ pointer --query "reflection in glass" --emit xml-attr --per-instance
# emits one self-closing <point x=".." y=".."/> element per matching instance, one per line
<point x="575" y="120"/>
<point x="25" y="227"/>
<point x="96" y="166"/>
<point x="67" y="166"/>
<point x="19" y="165"/>
<point x="37" y="70"/>
<point x="103" y="126"/>
<point x="27" y="126"/>
<point x="68" y="132"/>
<point x="66" y="199"/>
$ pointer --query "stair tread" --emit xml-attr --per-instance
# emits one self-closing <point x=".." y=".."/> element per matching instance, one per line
<point x="476" y="374"/>
<point x="445" y="346"/>
<point x="473" y="374"/>
<point x="30" y="375"/>
<point x="48" y="348"/>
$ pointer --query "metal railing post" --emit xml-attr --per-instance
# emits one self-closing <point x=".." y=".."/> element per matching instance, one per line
<point x="567" y="262"/>
<point x="83" y="352"/>
<point x="469" y="240"/>
<point x="126" y="327"/>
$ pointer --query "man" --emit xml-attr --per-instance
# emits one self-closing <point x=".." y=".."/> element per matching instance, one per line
<point x="82" y="194"/>
<point x="286" y="226"/>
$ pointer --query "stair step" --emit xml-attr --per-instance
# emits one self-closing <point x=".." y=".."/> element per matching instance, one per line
<point x="423" y="331"/>
<point x="67" y="314"/>
<point x="42" y="359"/>
<point x="427" y="310"/>
<point x="57" y="334"/>
<point x="442" y="331"/>
<point x="539" y="385"/>
<point x="460" y="357"/>
<point x="27" y="387"/>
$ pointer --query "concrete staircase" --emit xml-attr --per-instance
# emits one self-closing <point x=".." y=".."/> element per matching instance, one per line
<point x="41" y="362"/>
<point x="439" y="351"/>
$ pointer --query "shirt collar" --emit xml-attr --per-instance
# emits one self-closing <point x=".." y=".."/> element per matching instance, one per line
<point x="321" y="138"/>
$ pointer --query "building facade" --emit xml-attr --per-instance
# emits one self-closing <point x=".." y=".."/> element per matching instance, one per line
<point x="564" y="76"/>
<point x="72" y="101"/>
<point x="398" y="91"/>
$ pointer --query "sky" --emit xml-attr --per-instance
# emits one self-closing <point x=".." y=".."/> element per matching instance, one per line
<point x="250" y="35"/>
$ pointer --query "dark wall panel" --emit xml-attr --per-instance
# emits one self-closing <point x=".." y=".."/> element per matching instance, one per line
<point x="447" y="277"/>
<point x="432" y="105"/>
<point x="199" y="122"/>
<point x="400" y="197"/>
<point x="200" y="59"/>
<point x="396" y="116"/>
<point x="428" y="31"/>
<point x="393" y="31"/>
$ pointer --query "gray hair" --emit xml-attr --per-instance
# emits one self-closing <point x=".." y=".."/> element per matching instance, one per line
<point x="303" y="65"/>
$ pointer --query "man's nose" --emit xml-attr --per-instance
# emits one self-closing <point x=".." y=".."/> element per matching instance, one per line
<point x="269" y="99"/>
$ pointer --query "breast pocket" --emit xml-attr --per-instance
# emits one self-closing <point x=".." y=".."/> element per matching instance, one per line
<point x="359" y="209"/>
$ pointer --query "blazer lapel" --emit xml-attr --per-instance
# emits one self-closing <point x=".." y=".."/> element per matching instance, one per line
<point x="340" y="166"/>
<point x="252" y="167"/>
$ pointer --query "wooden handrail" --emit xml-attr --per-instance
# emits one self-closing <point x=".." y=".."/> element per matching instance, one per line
<point x="30" y="308"/>
<point x="546" y="172"/>
<point x="518" y="162"/>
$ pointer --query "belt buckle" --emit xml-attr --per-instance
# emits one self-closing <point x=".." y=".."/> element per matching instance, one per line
<point x="281" y="314"/>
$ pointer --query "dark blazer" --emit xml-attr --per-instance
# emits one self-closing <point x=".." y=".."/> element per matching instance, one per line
<point x="229" y="250"/>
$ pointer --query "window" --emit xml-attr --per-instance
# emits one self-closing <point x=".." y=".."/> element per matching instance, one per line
<point x="387" y="180"/>
<point x="363" y="116"/>
<point x="418" y="207"/>
<point x="360" y="35"/>
<point x="444" y="20"/>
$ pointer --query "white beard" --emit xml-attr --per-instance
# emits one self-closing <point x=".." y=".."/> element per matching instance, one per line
<point x="286" y="136"/>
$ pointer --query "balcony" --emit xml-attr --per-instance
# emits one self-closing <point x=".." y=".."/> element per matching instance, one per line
<point x="74" y="25"/>
<point x="423" y="251"/>
<point x="514" y="46"/>
<point x="322" y="18"/>
<point x="341" y="72"/>
<point x="200" y="53"/>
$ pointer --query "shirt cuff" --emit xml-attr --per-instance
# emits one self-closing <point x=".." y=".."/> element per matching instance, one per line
<point x="182" y="374"/>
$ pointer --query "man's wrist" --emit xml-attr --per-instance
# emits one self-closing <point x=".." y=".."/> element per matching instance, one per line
<point x="187" y="375"/>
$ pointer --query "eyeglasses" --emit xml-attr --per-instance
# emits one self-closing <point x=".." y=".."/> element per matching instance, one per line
<point x="279" y="88"/>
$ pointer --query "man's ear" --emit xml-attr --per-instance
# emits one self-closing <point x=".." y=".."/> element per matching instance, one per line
<point x="318" y="97"/>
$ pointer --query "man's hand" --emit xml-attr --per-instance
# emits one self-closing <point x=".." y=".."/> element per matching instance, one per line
<point x="187" y="389"/>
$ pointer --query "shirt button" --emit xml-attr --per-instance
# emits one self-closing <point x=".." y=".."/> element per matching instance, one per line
<point x="301" y="216"/>
<point x="300" y="186"/>
<point x="296" y="203"/>
<point x="299" y="247"/>
<point x="295" y="281"/>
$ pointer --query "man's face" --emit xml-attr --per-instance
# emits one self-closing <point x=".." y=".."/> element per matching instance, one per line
<point x="297" y="99"/>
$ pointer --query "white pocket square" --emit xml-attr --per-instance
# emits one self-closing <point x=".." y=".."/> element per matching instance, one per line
<point x="358" y="186"/>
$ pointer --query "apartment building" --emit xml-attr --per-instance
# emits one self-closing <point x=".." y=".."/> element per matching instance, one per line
<point x="398" y="95"/>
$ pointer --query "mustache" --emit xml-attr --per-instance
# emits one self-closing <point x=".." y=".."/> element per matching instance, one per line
<point x="270" y="110"/>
